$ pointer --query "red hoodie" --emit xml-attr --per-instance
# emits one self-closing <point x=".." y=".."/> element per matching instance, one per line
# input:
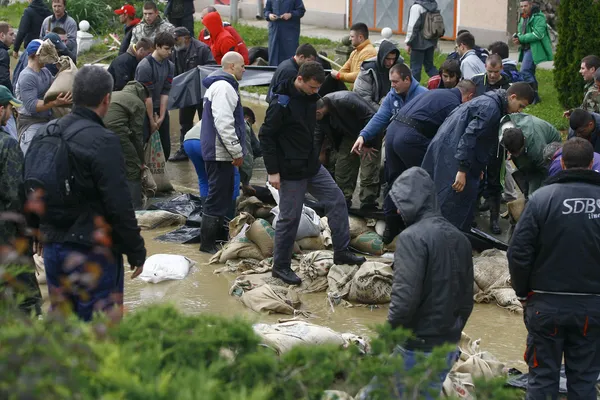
<point x="204" y="37"/>
<point x="221" y="41"/>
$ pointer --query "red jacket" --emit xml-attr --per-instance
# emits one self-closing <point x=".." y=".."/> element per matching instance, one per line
<point x="204" y="37"/>
<point x="221" y="41"/>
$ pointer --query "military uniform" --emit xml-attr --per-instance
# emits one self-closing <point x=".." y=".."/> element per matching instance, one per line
<point x="591" y="100"/>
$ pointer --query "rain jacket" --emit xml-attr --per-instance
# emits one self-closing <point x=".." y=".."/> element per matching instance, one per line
<point x="288" y="141"/>
<point x="128" y="31"/>
<point x="538" y="134"/>
<point x="125" y="118"/>
<point x="5" y="67"/>
<point x="416" y="19"/>
<point x="464" y="142"/>
<point x="149" y="31"/>
<point x="373" y="81"/>
<point x="349" y="72"/>
<point x="483" y="85"/>
<point x="31" y="23"/>
<point x="222" y="42"/>
<point x="432" y="292"/>
<point x="536" y="37"/>
<point x="223" y="127"/>
<point x="595" y="133"/>
<point x="123" y="69"/>
<point x="390" y="106"/>
<point x="285" y="71"/>
<point x="284" y="36"/>
<point x="556" y="247"/>
<point x="204" y="37"/>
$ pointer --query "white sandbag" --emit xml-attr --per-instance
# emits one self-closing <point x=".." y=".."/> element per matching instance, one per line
<point x="491" y="269"/>
<point x="326" y="232"/>
<point x="372" y="284"/>
<point x="162" y="267"/>
<point x="40" y="269"/>
<point x="336" y="395"/>
<point x="477" y="363"/>
<point x="339" y="279"/>
<point x="283" y="337"/>
<point x="380" y="227"/>
<point x="310" y="223"/>
<point x="459" y="385"/>
<point x="153" y="219"/>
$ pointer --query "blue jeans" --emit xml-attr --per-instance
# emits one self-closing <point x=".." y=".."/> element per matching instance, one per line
<point x="193" y="149"/>
<point x="528" y="70"/>
<point x="420" y="59"/>
<point x="69" y="268"/>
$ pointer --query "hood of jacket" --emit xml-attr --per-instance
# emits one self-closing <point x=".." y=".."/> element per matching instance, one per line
<point x="414" y="195"/>
<point x="220" y="75"/>
<point x="508" y="61"/>
<point x="213" y="23"/>
<point x="429" y="5"/>
<point x="386" y="47"/>
<point x="40" y="7"/>
<point x="137" y="89"/>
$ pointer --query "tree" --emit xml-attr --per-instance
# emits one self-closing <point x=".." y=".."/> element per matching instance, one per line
<point x="579" y="36"/>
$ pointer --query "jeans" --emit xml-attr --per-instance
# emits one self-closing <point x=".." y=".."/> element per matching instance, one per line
<point x="164" y="131"/>
<point x="11" y="127"/>
<point x="68" y="269"/>
<point x="193" y="149"/>
<point x="28" y="135"/>
<point x="420" y="58"/>
<point x="528" y="70"/>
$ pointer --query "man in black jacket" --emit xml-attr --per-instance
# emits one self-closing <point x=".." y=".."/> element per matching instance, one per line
<point x="341" y="117"/>
<point x="291" y="154"/>
<point x="79" y="247"/>
<point x="288" y="69"/>
<point x="181" y="13"/>
<point x="432" y="292"/>
<point x="493" y="78"/>
<point x="7" y="37"/>
<point x="187" y="55"/>
<point x="554" y="262"/>
<point x="123" y="67"/>
<point x="31" y="24"/>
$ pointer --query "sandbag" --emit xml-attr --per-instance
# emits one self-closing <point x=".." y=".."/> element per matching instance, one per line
<point x="238" y="247"/>
<point x="63" y="82"/>
<point x="148" y="183"/>
<point x="262" y="234"/>
<point x="271" y="300"/>
<point x="156" y="162"/>
<point x="47" y="52"/>
<point x="380" y="227"/>
<point x="162" y="267"/>
<point x="336" y="395"/>
<point x="459" y="385"/>
<point x="491" y="269"/>
<point x="339" y="279"/>
<point x="312" y="243"/>
<point x="313" y="270"/>
<point x="473" y="361"/>
<point x="152" y="219"/>
<point x="372" y="284"/>
<point x="245" y="283"/>
<point x="357" y="226"/>
<point x="284" y="336"/>
<point x="40" y="269"/>
<point x="236" y="224"/>
<point x="246" y="266"/>
<point x="368" y="242"/>
<point x="326" y="232"/>
<point x="310" y="223"/>
<point x="515" y="209"/>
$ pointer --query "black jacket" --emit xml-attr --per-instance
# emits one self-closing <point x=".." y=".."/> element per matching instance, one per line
<point x="5" y="67"/>
<point x="556" y="245"/>
<point x="285" y="71"/>
<point x="432" y="293"/>
<point x="31" y="23"/>
<point x="188" y="9"/>
<point x="197" y="54"/>
<point x="287" y="139"/>
<point x="483" y="84"/>
<point x="127" y="38"/>
<point x="123" y="69"/>
<point x="350" y="113"/>
<point x="99" y="172"/>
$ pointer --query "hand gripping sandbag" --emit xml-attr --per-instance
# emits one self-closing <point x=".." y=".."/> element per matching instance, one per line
<point x="156" y="162"/>
<point x="63" y="82"/>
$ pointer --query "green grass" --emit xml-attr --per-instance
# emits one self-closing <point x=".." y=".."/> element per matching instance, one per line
<point x="12" y="14"/>
<point x="96" y="52"/>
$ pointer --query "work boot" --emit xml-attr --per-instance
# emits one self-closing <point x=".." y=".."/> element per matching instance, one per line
<point x="394" y="224"/>
<point x="495" y="215"/>
<point x="286" y="274"/>
<point x="346" y="257"/>
<point x="180" y="155"/>
<point x="485" y="206"/>
<point x="209" y="231"/>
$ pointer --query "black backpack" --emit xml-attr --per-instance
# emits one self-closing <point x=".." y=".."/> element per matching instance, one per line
<point x="50" y="166"/>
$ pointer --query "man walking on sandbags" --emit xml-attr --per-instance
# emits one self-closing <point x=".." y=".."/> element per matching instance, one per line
<point x="554" y="268"/>
<point x="291" y="155"/>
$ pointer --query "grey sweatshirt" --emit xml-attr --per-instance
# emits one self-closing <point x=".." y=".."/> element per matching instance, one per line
<point x="156" y="76"/>
<point x="31" y="87"/>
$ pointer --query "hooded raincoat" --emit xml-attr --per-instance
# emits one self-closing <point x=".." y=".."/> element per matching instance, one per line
<point x="284" y="36"/>
<point x="221" y="41"/>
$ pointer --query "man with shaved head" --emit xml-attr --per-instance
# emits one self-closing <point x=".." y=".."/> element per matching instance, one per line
<point x="223" y="136"/>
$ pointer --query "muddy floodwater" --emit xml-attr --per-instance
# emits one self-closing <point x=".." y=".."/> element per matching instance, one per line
<point x="502" y="332"/>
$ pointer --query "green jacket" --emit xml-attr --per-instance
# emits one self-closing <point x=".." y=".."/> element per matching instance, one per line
<point x="11" y="174"/>
<point x="125" y="117"/>
<point x="536" y="36"/>
<point x="538" y="134"/>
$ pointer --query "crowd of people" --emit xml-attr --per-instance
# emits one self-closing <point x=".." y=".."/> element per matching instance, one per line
<point x="447" y="146"/>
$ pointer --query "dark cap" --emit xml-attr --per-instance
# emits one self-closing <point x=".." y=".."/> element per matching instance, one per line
<point x="181" y="31"/>
<point x="7" y="97"/>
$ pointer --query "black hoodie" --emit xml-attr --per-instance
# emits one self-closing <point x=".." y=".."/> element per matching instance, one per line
<point x="380" y="72"/>
<point x="31" y="23"/>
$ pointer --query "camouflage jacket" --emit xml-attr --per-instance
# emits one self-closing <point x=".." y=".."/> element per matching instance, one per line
<point x="591" y="100"/>
<point x="149" y="31"/>
<point x="11" y="174"/>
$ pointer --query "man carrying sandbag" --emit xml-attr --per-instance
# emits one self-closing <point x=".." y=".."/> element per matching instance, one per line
<point x="291" y="155"/>
<point x="554" y="267"/>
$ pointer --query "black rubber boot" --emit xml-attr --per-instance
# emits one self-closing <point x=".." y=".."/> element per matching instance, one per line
<point x="346" y="257"/>
<point x="208" y="233"/>
<point x="494" y="215"/>
<point x="394" y="224"/>
<point x="179" y="156"/>
<point x="286" y="274"/>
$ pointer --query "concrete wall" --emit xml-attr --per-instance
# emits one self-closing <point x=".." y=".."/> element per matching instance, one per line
<point x="486" y="20"/>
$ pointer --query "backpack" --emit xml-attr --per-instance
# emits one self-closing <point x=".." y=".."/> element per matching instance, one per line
<point x="49" y="166"/>
<point x="433" y="25"/>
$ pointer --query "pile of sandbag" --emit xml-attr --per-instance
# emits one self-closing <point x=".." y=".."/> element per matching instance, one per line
<point x="264" y="294"/>
<point x="153" y="219"/>
<point x="371" y="283"/>
<point x="492" y="280"/>
<point x="163" y="267"/>
<point x="363" y="236"/>
<point x="284" y="336"/>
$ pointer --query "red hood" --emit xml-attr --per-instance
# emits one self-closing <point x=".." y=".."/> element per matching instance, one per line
<point x="134" y="22"/>
<point x="212" y="21"/>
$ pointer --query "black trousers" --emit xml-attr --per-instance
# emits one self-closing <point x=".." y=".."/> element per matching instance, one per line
<point x="220" y="188"/>
<point x="186" y="120"/>
<point x="186" y="21"/>
<point x="490" y="186"/>
<point x="560" y="325"/>
<point x="164" y="131"/>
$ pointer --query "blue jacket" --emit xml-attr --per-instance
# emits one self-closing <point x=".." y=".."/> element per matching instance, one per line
<point x="222" y="129"/>
<point x="595" y="134"/>
<point x="432" y="108"/>
<point x="392" y="103"/>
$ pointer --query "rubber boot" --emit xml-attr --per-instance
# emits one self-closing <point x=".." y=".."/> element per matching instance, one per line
<point x="286" y="274"/>
<point x="494" y="215"/>
<point x="485" y="206"/>
<point x="394" y="224"/>
<point x="208" y="233"/>
<point x="346" y="257"/>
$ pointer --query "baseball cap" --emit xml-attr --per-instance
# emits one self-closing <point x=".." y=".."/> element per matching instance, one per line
<point x="7" y="97"/>
<point x="181" y="31"/>
<point x="127" y="9"/>
<point x="55" y="39"/>
<point x="33" y="47"/>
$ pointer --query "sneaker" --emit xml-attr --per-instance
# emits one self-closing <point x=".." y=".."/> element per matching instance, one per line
<point x="179" y="156"/>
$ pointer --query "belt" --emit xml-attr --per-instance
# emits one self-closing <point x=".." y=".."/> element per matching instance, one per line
<point x="416" y="125"/>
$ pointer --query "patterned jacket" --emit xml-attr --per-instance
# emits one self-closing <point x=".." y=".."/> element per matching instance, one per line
<point x="591" y="100"/>
<point x="11" y="173"/>
<point x="149" y="31"/>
